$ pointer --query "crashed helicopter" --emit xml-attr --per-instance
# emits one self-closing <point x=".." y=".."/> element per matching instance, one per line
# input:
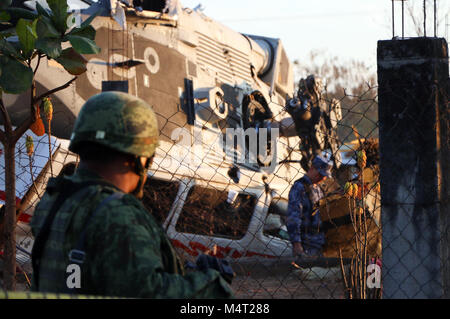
<point x="228" y="113"/>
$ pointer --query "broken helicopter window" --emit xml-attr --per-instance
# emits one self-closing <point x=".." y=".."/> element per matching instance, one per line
<point x="215" y="212"/>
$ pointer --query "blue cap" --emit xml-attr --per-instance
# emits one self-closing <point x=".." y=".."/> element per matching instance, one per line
<point x="322" y="165"/>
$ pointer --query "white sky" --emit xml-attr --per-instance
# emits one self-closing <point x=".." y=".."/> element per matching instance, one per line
<point x="345" y="28"/>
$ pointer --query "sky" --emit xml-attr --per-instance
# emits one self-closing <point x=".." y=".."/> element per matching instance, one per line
<point x="345" y="28"/>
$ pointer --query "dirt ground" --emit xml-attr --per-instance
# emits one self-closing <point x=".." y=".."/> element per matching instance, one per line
<point x="295" y="285"/>
<point x="274" y="281"/>
<point x="276" y="287"/>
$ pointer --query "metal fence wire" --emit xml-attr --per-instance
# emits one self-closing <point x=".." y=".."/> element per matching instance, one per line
<point x="221" y="177"/>
<point x="210" y="203"/>
<point x="203" y="208"/>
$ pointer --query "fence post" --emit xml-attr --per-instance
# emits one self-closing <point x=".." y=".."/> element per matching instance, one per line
<point x="414" y="167"/>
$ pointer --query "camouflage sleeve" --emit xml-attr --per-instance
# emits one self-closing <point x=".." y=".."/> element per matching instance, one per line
<point x="295" y="211"/>
<point x="131" y="262"/>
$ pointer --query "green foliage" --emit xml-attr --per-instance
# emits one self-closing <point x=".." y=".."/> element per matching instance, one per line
<point x="83" y="45"/>
<point x="26" y="35"/>
<point x="87" y="32"/>
<point x="19" y="13"/>
<point x="15" y="77"/>
<point x="26" y="31"/>
<point x="50" y="47"/>
<point x="4" y="16"/>
<point x="8" y="49"/>
<point x="41" y="11"/>
<point x="5" y="4"/>
<point x="59" y="14"/>
<point x="72" y="61"/>
<point x="45" y="28"/>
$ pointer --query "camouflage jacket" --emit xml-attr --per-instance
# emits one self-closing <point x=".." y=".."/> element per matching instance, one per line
<point x="303" y="218"/>
<point x="127" y="253"/>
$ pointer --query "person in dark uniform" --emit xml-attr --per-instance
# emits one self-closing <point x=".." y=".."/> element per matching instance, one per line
<point x="303" y="218"/>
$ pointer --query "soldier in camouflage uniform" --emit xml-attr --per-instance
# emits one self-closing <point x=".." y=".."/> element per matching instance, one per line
<point x="303" y="217"/>
<point x="94" y="220"/>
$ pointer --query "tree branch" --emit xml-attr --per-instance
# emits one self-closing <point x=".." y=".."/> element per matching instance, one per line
<point x="22" y="128"/>
<point x="59" y="88"/>
<point x="37" y="65"/>
<point x="2" y="133"/>
<point x="2" y="137"/>
<point x="7" y="124"/>
<point x="25" y="125"/>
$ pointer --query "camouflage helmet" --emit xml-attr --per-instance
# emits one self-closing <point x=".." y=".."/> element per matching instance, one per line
<point x="119" y="121"/>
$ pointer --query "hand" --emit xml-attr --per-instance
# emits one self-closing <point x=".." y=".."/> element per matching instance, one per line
<point x="222" y="266"/>
<point x="297" y="249"/>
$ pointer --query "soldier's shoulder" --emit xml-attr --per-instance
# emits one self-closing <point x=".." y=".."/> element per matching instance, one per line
<point x="123" y="217"/>
<point x="297" y="189"/>
<point x="122" y="202"/>
<point x="298" y="184"/>
<point x="126" y="209"/>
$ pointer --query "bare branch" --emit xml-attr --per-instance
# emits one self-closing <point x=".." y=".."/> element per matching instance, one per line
<point x="59" y="88"/>
<point x="37" y="65"/>
<point x="416" y="22"/>
<point x="22" y="128"/>
<point x="2" y="132"/>
<point x="25" y="125"/>
<point x="2" y="137"/>
<point x="7" y="123"/>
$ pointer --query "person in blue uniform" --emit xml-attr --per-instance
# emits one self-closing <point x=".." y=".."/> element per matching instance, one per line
<point x="303" y="218"/>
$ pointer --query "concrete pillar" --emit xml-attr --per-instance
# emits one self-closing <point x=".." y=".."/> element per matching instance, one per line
<point x="414" y="167"/>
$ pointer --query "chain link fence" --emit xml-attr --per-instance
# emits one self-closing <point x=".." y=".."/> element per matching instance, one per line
<point x="210" y="203"/>
<point x="229" y="156"/>
<point x="413" y="113"/>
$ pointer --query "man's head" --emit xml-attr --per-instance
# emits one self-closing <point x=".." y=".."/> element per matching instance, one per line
<point x="320" y="169"/>
<point x="119" y="130"/>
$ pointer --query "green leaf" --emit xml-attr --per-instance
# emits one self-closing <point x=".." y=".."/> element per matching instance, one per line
<point x="50" y="47"/>
<point x="5" y="4"/>
<point x="83" y="45"/>
<point x="85" y="29"/>
<point x="12" y="48"/>
<point x="86" y="32"/>
<point x="33" y="27"/>
<point x="6" y="48"/>
<point x="26" y="31"/>
<point x="73" y="62"/>
<point x="8" y="33"/>
<point x="19" y="13"/>
<point x="4" y="16"/>
<point x="16" y="77"/>
<point x="59" y="13"/>
<point x="41" y="10"/>
<point x="46" y="29"/>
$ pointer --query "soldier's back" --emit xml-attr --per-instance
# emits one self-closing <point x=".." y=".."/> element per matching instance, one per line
<point x="82" y="193"/>
<point x="127" y="253"/>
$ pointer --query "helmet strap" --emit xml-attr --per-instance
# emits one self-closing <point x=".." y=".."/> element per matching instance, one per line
<point x="140" y="170"/>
